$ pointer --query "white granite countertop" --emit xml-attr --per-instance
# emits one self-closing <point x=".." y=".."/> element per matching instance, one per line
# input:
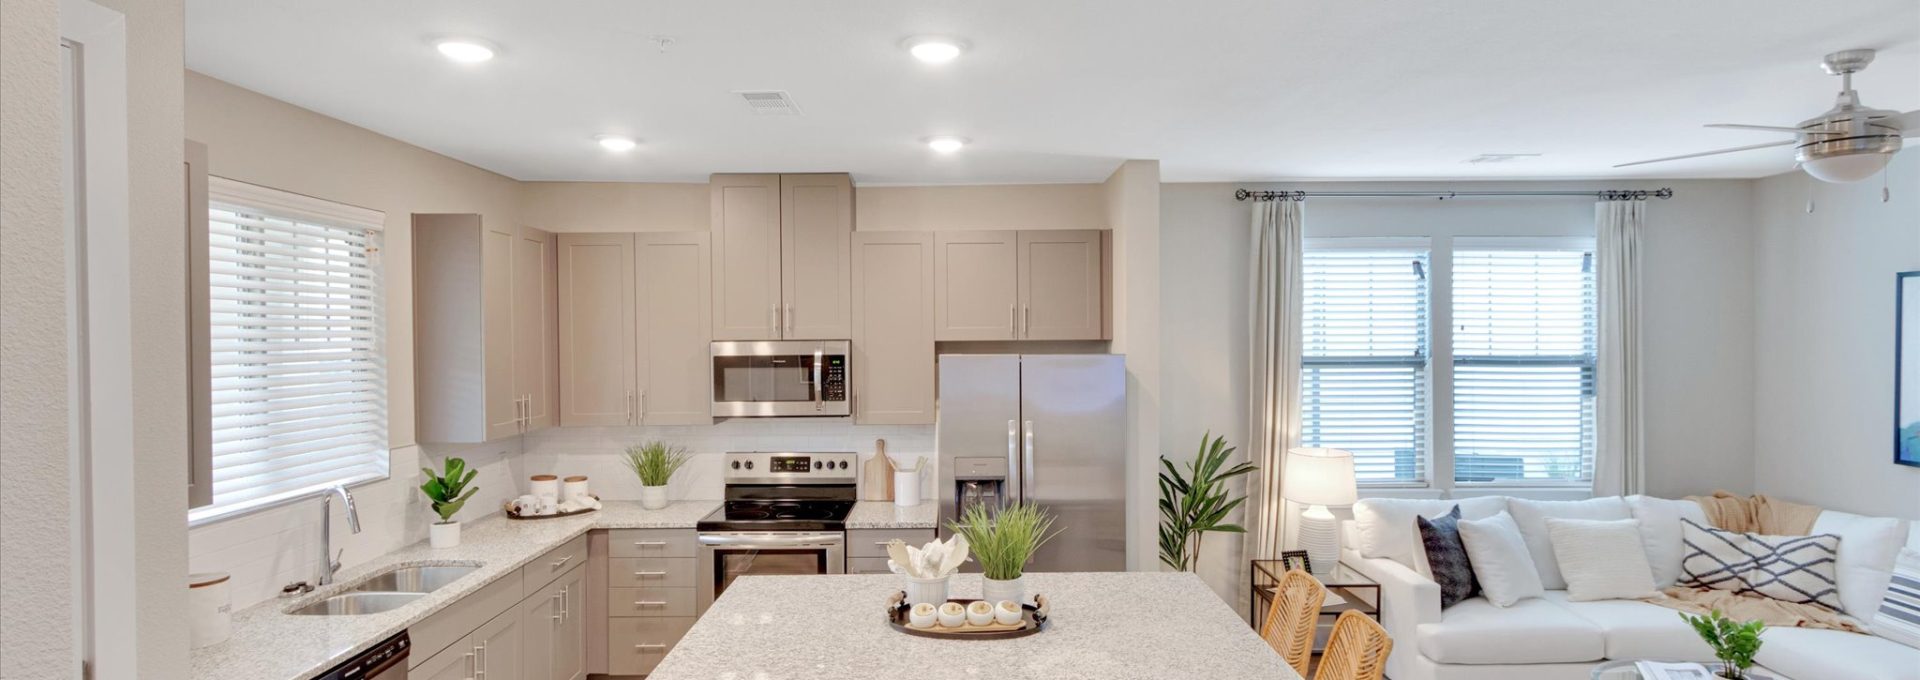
<point x="267" y="643"/>
<point x="886" y="515"/>
<point x="1104" y="625"/>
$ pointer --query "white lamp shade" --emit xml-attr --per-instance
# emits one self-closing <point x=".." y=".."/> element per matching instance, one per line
<point x="1319" y="477"/>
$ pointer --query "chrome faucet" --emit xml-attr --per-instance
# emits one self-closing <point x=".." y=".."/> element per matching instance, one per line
<point x="330" y="560"/>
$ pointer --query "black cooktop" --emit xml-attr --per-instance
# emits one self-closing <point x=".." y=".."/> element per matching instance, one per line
<point x="778" y="515"/>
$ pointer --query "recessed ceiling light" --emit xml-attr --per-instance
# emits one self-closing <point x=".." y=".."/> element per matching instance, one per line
<point x="465" y="50"/>
<point x="617" y="142"/>
<point x="945" y="144"/>
<point x="935" y="49"/>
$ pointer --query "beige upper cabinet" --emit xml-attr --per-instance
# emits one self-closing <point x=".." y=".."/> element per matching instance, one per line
<point x="671" y="288"/>
<point x="598" y="384"/>
<point x="746" y="256"/>
<point x="976" y="295"/>
<point x="484" y="359"/>
<point x="816" y="225"/>
<point x="1060" y="285"/>
<point x="893" y="327"/>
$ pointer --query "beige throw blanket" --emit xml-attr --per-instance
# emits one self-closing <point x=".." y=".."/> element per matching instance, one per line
<point x="1760" y="515"/>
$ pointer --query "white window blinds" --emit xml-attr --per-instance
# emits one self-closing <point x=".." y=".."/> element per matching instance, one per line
<point x="296" y="346"/>
<point x="1363" y="381"/>
<point x="1523" y="365"/>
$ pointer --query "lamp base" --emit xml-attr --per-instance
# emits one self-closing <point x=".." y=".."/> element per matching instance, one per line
<point x="1320" y="537"/>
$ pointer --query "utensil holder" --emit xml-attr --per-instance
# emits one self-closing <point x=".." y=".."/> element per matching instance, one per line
<point x="929" y="590"/>
<point x="906" y="488"/>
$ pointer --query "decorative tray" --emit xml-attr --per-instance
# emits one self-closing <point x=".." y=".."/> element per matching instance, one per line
<point x="1033" y="620"/>
<point x="507" y="508"/>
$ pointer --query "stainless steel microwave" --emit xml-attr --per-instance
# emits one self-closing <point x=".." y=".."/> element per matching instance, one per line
<point x="781" y="378"/>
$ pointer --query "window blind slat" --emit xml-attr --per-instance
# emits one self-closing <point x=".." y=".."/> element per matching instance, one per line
<point x="1364" y="382"/>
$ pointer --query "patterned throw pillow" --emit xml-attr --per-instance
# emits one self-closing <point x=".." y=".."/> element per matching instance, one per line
<point x="1786" y="568"/>
<point x="1899" y="616"/>
<point x="1447" y="557"/>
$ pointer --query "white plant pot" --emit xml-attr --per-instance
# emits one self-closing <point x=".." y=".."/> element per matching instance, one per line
<point x="929" y="590"/>
<point x="653" y="497"/>
<point x="443" y="535"/>
<point x="995" y="590"/>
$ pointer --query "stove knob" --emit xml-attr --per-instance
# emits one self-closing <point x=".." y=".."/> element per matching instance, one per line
<point x="816" y="465"/>
<point x="736" y="465"/>
<point x="749" y="465"/>
<point x="843" y="465"/>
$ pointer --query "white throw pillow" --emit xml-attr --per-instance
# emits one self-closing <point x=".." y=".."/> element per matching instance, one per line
<point x="1532" y="517"/>
<point x="1500" y="560"/>
<point x="1868" y="546"/>
<point x="1899" y="616"/>
<point x="1386" y="527"/>
<point x="1660" y="531"/>
<point x="1602" y="559"/>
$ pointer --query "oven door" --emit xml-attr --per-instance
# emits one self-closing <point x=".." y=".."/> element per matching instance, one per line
<point x="781" y="378"/>
<point x="725" y="556"/>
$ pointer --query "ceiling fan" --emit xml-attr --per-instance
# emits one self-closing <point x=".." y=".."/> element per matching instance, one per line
<point x="1848" y="143"/>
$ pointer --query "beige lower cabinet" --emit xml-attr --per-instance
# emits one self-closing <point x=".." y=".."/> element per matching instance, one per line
<point x="494" y="650"/>
<point x="553" y="629"/>
<point x="636" y="645"/>
<point x="893" y="328"/>
<point x="650" y="596"/>
<point x="452" y="664"/>
<point x="540" y="634"/>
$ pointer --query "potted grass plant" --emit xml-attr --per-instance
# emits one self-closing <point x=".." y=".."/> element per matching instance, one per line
<point x="654" y="463"/>
<point x="448" y="492"/>
<point x="1733" y="642"/>
<point x="1003" y="541"/>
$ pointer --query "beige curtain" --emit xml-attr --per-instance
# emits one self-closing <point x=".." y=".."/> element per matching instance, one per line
<point x="1619" y="463"/>
<point x="1274" y="362"/>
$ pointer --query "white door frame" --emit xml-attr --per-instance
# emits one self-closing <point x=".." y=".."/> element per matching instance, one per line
<point x="99" y="345"/>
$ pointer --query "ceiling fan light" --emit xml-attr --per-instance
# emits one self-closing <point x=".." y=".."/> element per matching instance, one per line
<point x="1848" y="168"/>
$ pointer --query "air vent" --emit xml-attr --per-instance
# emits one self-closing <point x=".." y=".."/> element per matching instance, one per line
<point x="1500" y="157"/>
<point x="769" y="102"/>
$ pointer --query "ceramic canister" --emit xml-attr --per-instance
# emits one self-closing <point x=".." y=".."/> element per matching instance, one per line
<point x="574" y="487"/>
<point x="209" y="608"/>
<point x="545" y="486"/>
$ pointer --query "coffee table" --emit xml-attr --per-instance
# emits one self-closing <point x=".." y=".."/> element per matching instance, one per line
<point x="1623" y="669"/>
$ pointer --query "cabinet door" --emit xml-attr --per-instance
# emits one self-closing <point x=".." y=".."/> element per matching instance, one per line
<point x="975" y="293"/>
<point x="497" y="653"/>
<point x="540" y="632"/>
<point x="597" y="379"/>
<point x="1060" y="291"/>
<point x="746" y="256"/>
<point x="893" y="327"/>
<point x="672" y="349"/>
<point x="570" y="646"/>
<point x="816" y="227"/>
<point x="534" y="354"/>
<point x="453" y="663"/>
<point x="496" y="295"/>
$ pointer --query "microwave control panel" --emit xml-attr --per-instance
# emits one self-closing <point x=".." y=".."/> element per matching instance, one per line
<point x="834" y="377"/>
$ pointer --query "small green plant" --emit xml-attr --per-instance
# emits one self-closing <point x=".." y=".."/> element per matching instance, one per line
<point x="1196" y="502"/>
<point x="655" y="462"/>
<point x="445" y="490"/>
<point x="1734" y="643"/>
<point x="1004" y="541"/>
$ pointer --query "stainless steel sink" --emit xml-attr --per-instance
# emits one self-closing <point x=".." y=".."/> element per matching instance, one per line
<point x="413" y="579"/>
<point x="351" y="603"/>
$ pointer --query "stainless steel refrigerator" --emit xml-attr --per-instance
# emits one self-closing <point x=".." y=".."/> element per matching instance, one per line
<point x="1044" y="428"/>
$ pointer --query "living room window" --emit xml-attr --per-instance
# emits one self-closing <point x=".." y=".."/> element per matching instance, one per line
<point x="1518" y="344"/>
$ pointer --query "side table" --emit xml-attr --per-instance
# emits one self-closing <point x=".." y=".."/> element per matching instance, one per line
<point x="1360" y="593"/>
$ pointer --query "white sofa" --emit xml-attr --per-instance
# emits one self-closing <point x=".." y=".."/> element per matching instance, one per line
<point x="1551" y="638"/>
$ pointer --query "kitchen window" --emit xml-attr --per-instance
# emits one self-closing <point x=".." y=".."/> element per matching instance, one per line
<point x="1520" y="351"/>
<point x="292" y="347"/>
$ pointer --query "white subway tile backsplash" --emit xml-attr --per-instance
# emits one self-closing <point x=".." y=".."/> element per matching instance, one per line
<point x="598" y="452"/>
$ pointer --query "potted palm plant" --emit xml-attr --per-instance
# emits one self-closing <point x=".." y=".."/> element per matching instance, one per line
<point x="1197" y="501"/>
<point x="1003" y="541"/>
<point x="654" y="463"/>
<point x="448" y="492"/>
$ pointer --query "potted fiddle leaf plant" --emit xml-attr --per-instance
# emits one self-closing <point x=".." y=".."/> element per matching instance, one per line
<point x="448" y="492"/>
<point x="1003" y="541"/>
<point x="654" y="463"/>
<point x="1734" y="643"/>
<point x="1196" y="501"/>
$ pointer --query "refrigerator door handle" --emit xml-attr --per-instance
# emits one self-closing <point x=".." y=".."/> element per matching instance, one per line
<point x="1026" y="475"/>
<point x="1013" y="462"/>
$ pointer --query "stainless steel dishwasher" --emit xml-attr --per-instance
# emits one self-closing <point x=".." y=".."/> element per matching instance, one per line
<point x="384" y="661"/>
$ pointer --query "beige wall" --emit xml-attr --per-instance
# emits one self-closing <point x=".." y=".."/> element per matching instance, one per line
<point x="35" y="565"/>
<point x="1130" y="199"/>
<point x="614" y="206"/>
<point x="1005" y="206"/>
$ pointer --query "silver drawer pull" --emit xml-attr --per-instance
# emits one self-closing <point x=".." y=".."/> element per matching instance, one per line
<point x="642" y="544"/>
<point x="561" y="561"/>
<point x="644" y="574"/>
<point x="651" y="646"/>
<point x="644" y="603"/>
<point x="882" y="542"/>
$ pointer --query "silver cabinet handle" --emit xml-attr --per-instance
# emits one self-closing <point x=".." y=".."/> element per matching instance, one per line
<point x="819" y="386"/>
<point x="645" y="574"/>
<point x="472" y="667"/>
<point x="560" y="562"/>
<point x="560" y="600"/>
<point x="642" y="544"/>
<point x="1026" y="476"/>
<point x="883" y="543"/>
<point x="565" y="612"/>
<point x="648" y="603"/>
<point x="626" y="404"/>
<point x="1027" y="323"/>
<point x="650" y="646"/>
<point x="480" y="661"/>
<point x="773" y="314"/>
<point x="1013" y="320"/>
<point x="789" y="318"/>
<point x="640" y="413"/>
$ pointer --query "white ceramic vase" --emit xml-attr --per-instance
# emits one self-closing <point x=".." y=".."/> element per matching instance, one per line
<point x="653" y="497"/>
<point x="929" y="590"/>
<point x="443" y="535"/>
<point x="995" y="590"/>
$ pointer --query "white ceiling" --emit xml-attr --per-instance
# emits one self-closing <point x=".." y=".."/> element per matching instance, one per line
<point x="1061" y="90"/>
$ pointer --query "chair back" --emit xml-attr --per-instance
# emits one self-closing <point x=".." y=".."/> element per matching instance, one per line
<point x="1291" y="620"/>
<point x="1357" y="650"/>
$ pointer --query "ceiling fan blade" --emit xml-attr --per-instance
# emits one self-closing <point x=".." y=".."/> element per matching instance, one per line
<point x="1717" y="152"/>
<point x="1909" y="123"/>
<point x="1767" y="128"/>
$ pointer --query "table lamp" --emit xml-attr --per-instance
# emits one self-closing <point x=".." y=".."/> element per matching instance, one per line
<point x="1318" y="478"/>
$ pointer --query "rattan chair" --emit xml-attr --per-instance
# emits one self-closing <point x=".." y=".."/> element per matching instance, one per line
<point x="1292" y="618"/>
<point x="1357" y="650"/>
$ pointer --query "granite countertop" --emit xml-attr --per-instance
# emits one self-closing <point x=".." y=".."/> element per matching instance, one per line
<point x="267" y="643"/>
<point x="1104" y="625"/>
<point x="886" y="515"/>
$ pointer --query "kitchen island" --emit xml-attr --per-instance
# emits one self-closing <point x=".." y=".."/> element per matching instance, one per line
<point x="1104" y="625"/>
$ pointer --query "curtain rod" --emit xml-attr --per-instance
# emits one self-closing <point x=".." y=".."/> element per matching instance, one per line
<point x="1607" y="195"/>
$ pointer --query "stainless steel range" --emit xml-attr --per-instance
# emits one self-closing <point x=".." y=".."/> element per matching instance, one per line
<point x="785" y="513"/>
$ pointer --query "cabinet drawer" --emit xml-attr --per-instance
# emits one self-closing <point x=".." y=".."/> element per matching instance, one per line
<point x="867" y="565"/>
<point x="636" y="645"/>
<point x="650" y="543"/>
<point x="545" y="568"/>
<point x="650" y="572"/>
<point x="650" y="602"/>
<point x="873" y="542"/>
